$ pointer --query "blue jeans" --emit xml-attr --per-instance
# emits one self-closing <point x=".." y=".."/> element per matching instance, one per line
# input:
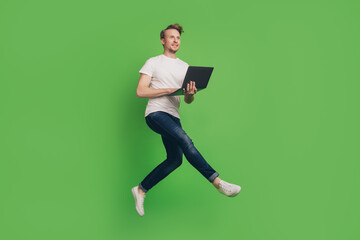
<point x="176" y="143"/>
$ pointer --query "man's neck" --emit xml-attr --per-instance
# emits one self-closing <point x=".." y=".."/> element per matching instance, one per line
<point x="170" y="54"/>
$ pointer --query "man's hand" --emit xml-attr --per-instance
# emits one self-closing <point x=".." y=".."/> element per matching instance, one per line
<point x="190" y="92"/>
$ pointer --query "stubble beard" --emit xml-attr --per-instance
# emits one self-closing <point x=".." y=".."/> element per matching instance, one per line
<point x="174" y="51"/>
<point x="171" y="50"/>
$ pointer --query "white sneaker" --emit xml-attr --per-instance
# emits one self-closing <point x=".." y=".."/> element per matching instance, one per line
<point x="230" y="190"/>
<point x="139" y="200"/>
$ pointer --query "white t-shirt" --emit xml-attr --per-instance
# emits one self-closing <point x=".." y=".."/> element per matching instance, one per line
<point x="165" y="72"/>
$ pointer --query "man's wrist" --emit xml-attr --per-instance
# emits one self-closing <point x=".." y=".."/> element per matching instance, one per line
<point x="189" y="98"/>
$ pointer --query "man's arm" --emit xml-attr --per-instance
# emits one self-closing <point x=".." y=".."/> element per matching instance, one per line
<point x="190" y="92"/>
<point x="144" y="91"/>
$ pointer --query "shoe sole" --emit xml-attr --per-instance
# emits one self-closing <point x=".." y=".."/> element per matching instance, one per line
<point x="134" y="194"/>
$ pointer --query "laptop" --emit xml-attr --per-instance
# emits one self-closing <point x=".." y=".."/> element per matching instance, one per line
<point x="199" y="75"/>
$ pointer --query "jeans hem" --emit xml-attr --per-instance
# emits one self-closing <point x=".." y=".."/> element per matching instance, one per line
<point x="213" y="176"/>
<point x="142" y="188"/>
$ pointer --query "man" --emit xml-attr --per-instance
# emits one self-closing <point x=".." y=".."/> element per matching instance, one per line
<point x="161" y="76"/>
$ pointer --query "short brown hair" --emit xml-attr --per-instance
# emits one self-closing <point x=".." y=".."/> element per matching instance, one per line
<point x="172" y="26"/>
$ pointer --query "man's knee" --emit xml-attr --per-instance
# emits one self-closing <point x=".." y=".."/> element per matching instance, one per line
<point x="179" y="161"/>
<point x="176" y="160"/>
<point x="187" y="144"/>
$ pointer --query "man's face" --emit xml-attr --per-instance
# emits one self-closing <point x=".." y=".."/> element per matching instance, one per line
<point x="171" y="40"/>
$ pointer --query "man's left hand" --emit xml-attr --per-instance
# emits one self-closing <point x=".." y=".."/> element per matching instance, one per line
<point x="190" y="90"/>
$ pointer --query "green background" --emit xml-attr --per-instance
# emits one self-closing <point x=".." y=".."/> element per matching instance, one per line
<point x="280" y="117"/>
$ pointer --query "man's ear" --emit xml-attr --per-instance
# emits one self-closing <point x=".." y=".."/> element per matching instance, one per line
<point x="163" y="41"/>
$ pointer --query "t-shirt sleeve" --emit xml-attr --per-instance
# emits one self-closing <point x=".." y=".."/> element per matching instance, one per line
<point x="147" y="68"/>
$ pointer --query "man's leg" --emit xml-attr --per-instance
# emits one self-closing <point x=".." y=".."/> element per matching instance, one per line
<point x="173" y="161"/>
<point x="170" y="127"/>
